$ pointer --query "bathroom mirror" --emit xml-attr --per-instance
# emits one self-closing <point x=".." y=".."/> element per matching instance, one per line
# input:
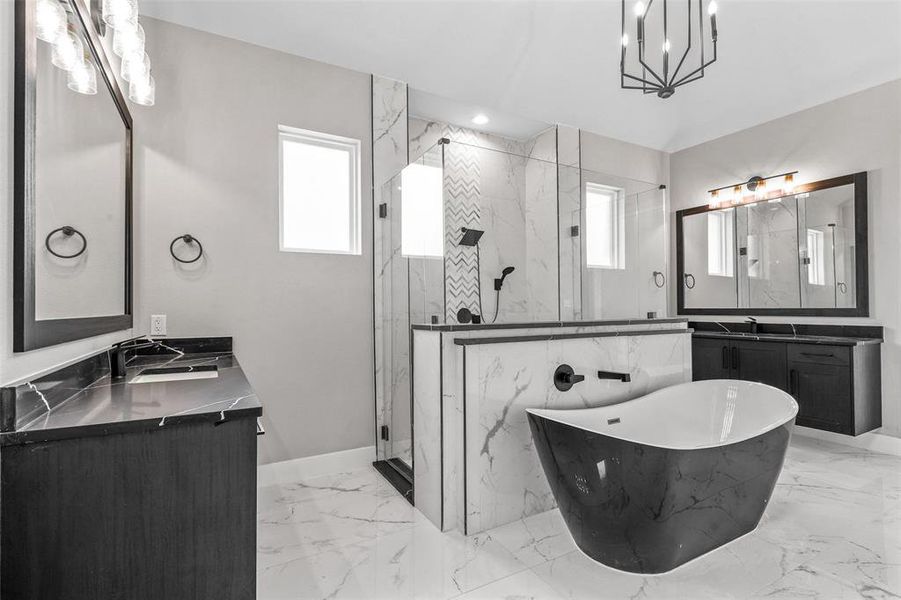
<point x="804" y="253"/>
<point x="72" y="246"/>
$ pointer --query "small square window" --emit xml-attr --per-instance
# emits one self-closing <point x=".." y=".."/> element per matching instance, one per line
<point x="605" y="225"/>
<point x="319" y="192"/>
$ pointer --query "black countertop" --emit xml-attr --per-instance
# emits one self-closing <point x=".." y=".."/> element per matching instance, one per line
<point x="796" y="339"/>
<point x="59" y="406"/>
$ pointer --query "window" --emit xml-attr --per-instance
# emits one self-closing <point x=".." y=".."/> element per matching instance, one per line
<point x="720" y="243"/>
<point x="605" y="221"/>
<point x="319" y="192"/>
<point x="816" y="268"/>
<point x="422" y="211"/>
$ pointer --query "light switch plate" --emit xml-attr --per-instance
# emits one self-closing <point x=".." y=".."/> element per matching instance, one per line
<point x="157" y="324"/>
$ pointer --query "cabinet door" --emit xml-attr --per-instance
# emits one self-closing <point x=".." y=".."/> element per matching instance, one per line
<point x="763" y="362"/>
<point x="709" y="359"/>
<point x="823" y="392"/>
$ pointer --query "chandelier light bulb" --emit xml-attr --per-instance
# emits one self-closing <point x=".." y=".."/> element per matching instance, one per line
<point x="625" y="40"/>
<point x="68" y="51"/>
<point x="712" y="8"/>
<point x="143" y="91"/>
<point x="639" y="9"/>
<point x="120" y="14"/>
<point x="83" y="78"/>
<point x="666" y="46"/>
<point x="50" y="20"/>
<point x="129" y="41"/>
<point x="135" y="67"/>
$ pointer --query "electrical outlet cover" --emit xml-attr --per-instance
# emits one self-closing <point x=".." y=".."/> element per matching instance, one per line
<point x="157" y="324"/>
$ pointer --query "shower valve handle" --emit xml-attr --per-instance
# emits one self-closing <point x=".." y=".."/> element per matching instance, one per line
<point x="565" y="378"/>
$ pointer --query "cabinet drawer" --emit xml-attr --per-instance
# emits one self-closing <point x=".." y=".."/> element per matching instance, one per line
<point x="820" y="354"/>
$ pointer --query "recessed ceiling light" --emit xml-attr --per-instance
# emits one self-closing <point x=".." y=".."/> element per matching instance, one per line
<point x="480" y="119"/>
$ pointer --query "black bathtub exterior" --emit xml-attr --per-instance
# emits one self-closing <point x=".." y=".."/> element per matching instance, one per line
<point x="645" y="509"/>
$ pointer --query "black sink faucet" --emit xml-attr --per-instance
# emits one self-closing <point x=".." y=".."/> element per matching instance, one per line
<point x="753" y="324"/>
<point x="117" y="354"/>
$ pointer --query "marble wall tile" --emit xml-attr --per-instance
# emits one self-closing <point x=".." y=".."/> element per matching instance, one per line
<point x="542" y="266"/>
<point x="504" y="479"/>
<point x="427" y="406"/>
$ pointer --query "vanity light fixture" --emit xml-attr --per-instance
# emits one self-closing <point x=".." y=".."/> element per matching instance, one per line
<point x="480" y="119"/>
<point x="758" y="188"/>
<point x="68" y="50"/>
<point x="83" y="78"/>
<point x="660" y="79"/>
<point x="50" y="20"/>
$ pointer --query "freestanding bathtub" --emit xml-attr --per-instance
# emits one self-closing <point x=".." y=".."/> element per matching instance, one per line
<point x="647" y="485"/>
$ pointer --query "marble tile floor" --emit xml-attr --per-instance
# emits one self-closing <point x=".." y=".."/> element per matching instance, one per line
<point x="832" y="531"/>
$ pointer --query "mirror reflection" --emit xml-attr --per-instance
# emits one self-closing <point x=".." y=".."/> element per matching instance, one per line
<point x="793" y="252"/>
<point x="79" y="176"/>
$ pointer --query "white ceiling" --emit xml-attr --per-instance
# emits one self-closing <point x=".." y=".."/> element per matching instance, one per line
<point x="558" y="61"/>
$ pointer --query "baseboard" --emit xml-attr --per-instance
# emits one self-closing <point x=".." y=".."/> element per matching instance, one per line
<point x="288" y="471"/>
<point x="875" y="442"/>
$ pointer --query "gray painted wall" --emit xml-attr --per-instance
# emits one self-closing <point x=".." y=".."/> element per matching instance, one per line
<point x="861" y="132"/>
<point x="207" y="164"/>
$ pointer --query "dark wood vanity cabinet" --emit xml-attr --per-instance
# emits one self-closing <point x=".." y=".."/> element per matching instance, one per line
<point x="838" y="387"/>
<point x="763" y="362"/>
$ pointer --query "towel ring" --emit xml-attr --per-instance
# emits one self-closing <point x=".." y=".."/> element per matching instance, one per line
<point x="68" y="231"/>
<point x="690" y="286"/>
<point x="662" y="279"/>
<point x="842" y="287"/>
<point x="188" y="239"/>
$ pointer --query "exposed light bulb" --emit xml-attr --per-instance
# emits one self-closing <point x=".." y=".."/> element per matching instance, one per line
<point x="712" y="8"/>
<point x="135" y="67"/>
<point x="666" y="46"/>
<point x="788" y="183"/>
<point x="736" y="194"/>
<point x="83" y="78"/>
<point x="480" y="119"/>
<point x="625" y="40"/>
<point x="142" y="91"/>
<point x="50" y="18"/>
<point x="639" y="9"/>
<point x="68" y="51"/>
<point x="129" y="41"/>
<point x="760" y="192"/>
<point x="714" y="199"/>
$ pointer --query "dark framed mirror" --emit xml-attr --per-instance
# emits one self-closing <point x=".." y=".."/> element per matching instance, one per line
<point x="72" y="210"/>
<point x="798" y="254"/>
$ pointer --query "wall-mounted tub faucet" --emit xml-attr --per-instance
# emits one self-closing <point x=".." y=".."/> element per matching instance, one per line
<point x="624" y="377"/>
<point x="565" y="378"/>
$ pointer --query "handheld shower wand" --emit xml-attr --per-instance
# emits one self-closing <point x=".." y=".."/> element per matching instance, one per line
<point x="498" y="284"/>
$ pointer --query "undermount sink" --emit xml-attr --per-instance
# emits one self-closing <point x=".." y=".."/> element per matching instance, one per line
<point x="162" y="374"/>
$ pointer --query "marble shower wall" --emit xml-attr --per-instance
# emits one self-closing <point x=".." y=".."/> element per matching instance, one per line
<point x="504" y="478"/>
<point x="389" y="134"/>
<point x="770" y="269"/>
<point x="569" y="200"/>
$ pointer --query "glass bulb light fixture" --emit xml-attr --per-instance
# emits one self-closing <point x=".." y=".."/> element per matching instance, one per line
<point x="83" y="78"/>
<point x="682" y="62"/>
<point x="143" y="91"/>
<point x="120" y="14"/>
<point x="129" y="41"/>
<point x="50" y="20"/>
<point x="135" y="67"/>
<point x="68" y="51"/>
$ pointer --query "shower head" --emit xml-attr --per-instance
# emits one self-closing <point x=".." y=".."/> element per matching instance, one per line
<point x="470" y="236"/>
<point x="499" y="283"/>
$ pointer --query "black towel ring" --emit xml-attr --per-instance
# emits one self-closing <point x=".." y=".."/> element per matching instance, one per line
<point x="188" y="239"/>
<point x="691" y="285"/>
<point x="67" y="231"/>
<point x="662" y="279"/>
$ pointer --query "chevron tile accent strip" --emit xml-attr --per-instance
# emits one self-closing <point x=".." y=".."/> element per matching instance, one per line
<point x="462" y="187"/>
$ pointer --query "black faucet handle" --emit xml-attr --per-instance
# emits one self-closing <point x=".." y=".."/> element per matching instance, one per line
<point x="565" y="378"/>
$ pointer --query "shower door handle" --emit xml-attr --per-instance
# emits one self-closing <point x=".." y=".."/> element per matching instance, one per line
<point x="735" y="361"/>
<point x="726" y="358"/>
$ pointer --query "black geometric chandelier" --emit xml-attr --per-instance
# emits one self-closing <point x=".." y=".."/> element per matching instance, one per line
<point x="657" y="76"/>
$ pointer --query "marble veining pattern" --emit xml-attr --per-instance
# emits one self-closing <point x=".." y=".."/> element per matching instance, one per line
<point x="832" y="530"/>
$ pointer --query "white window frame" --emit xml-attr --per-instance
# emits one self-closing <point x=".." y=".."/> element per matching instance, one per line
<point x="725" y="250"/>
<point x="618" y="220"/>
<point x="325" y="140"/>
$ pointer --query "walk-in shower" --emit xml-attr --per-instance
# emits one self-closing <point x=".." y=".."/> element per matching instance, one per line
<point x="505" y="234"/>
